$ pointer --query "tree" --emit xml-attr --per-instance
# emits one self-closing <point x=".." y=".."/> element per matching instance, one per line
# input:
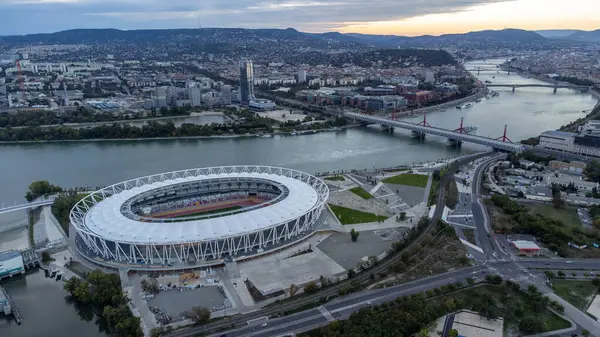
<point x="293" y="289"/>
<point x="311" y="288"/>
<point x="592" y="171"/>
<point x="470" y="281"/>
<point x="531" y="325"/>
<point x="40" y="188"/>
<point x="354" y="235"/>
<point x="402" y="216"/>
<point x="150" y="286"/>
<point x="452" y="333"/>
<point x="596" y="282"/>
<point x="585" y="333"/>
<point x="560" y="274"/>
<point x="46" y="257"/>
<point x="557" y="199"/>
<point x="200" y="315"/>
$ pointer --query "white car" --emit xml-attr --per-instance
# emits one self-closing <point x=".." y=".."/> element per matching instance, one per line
<point x="264" y="324"/>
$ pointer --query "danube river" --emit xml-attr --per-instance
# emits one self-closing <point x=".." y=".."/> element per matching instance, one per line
<point x="528" y="112"/>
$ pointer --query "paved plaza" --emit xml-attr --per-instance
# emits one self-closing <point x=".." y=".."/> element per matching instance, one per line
<point x="175" y="302"/>
<point x="340" y="248"/>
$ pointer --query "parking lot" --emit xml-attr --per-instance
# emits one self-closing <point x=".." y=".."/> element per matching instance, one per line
<point x="177" y="301"/>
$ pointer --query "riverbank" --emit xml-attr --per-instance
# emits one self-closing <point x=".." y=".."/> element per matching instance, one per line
<point x="133" y="120"/>
<point x="264" y="135"/>
<point x="546" y="79"/>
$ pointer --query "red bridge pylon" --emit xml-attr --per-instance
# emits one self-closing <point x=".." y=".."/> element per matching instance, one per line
<point x="460" y="129"/>
<point x="424" y="122"/>
<point x="504" y="138"/>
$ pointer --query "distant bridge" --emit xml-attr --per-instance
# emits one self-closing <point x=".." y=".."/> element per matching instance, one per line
<point x="34" y="204"/>
<point x="555" y="86"/>
<point x="502" y="143"/>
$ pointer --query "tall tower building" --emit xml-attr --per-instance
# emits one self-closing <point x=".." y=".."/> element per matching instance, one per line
<point x="246" y="81"/>
<point x="195" y="96"/>
<point x="226" y="94"/>
<point x="301" y="76"/>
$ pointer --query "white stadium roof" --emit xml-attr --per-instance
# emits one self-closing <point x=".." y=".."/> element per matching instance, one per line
<point x="106" y="220"/>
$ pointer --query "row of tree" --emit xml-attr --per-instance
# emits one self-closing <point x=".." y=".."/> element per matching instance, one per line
<point x="41" y="188"/>
<point x="411" y="315"/>
<point x="551" y="232"/>
<point x="103" y="292"/>
<point x="247" y="125"/>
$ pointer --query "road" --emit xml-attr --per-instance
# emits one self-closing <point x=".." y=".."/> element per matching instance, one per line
<point x="488" y="243"/>
<point x="524" y="271"/>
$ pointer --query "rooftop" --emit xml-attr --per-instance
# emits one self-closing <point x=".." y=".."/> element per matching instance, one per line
<point x="522" y="244"/>
<point x="106" y="220"/>
<point x="559" y="133"/>
<point x="9" y="254"/>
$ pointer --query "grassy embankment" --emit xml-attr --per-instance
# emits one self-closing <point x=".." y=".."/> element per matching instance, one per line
<point x="348" y="216"/>
<point x="579" y="293"/>
<point x="361" y="193"/>
<point x="408" y="179"/>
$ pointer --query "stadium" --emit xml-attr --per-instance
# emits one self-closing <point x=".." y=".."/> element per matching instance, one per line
<point x="199" y="216"/>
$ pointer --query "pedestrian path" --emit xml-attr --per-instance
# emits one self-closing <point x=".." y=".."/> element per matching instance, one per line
<point x="376" y="188"/>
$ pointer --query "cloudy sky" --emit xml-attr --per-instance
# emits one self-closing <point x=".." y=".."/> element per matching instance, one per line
<point x="405" y="17"/>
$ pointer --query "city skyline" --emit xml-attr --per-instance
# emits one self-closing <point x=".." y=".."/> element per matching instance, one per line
<point x="407" y="17"/>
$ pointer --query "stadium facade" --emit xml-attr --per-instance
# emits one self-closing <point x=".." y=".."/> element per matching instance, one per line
<point x="198" y="216"/>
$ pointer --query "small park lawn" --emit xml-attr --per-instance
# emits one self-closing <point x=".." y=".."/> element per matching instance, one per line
<point x="348" y="216"/>
<point x="361" y="193"/>
<point x="409" y="179"/>
<point x="578" y="293"/>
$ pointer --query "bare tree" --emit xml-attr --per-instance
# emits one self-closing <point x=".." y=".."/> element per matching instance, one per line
<point x="200" y="315"/>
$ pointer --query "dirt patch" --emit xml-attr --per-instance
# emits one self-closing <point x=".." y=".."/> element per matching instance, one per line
<point x="444" y="253"/>
<point x="500" y="222"/>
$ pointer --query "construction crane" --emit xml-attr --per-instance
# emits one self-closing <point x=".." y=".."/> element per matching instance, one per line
<point x="21" y="80"/>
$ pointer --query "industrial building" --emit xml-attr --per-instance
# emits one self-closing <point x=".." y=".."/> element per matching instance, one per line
<point x="527" y="247"/>
<point x="11" y="263"/>
<point x="574" y="167"/>
<point x="586" y="142"/>
<point x="262" y="105"/>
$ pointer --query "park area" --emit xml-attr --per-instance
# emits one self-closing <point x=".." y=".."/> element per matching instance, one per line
<point x="579" y="293"/>
<point x="568" y="215"/>
<point x="348" y="216"/>
<point x="408" y="179"/>
<point x="554" y="227"/>
<point x="361" y="193"/>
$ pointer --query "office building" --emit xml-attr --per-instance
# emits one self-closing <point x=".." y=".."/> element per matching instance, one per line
<point x="301" y="76"/>
<point x="195" y="96"/>
<point x="246" y="81"/>
<point x="160" y="97"/>
<point x="226" y="94"/>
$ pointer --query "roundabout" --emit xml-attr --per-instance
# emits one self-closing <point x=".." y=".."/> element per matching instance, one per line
<point x="198" y="216"/>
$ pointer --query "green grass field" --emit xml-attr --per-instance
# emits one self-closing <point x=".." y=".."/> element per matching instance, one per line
<point x="408" y="179"/>
<point x="348" y="216"/>
<point x="567" y="215"/>
<point x="578" y="293"/>
<point x="361" y="193"/>
<point x="335" y="178"/>
<point x="431" y="199"/>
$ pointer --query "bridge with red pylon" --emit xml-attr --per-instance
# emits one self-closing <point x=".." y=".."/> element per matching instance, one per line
<point x="458" y="135"/>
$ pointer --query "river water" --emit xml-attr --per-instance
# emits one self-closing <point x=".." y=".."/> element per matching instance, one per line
<point x="528" y="112"/>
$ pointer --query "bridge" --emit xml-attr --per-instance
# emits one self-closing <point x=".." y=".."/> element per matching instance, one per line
<point x="29" y="205"/>
<point x="555" y="86"/>
<point x="501" y="143"/>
